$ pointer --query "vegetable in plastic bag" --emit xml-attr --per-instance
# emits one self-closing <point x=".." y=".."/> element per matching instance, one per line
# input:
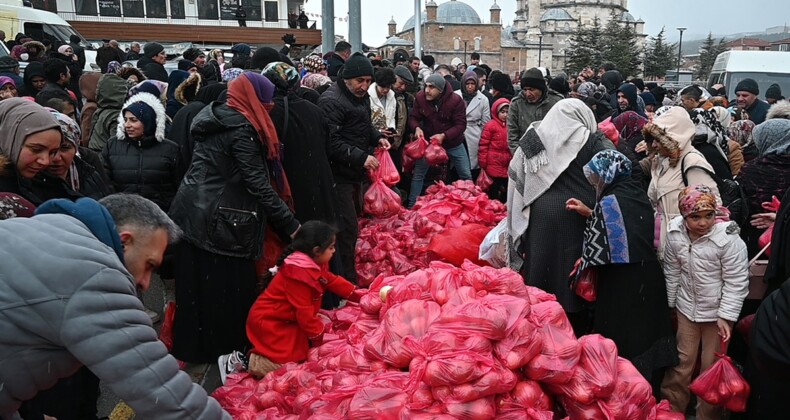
<point x="560" y="352"/>
<point x="381" y="201"/>
<point x="378" y="404"/>
<point x="492" y="316"/>
<point x="435" y="154"/>
<point x="387" y="172"/>
<point x="663" y="411"/>
<point x="410" y="318"/>
<point x="722" y="384"/>
<point x="455" y="245"/>
<point x="482" y="409"/>
<point x="416" y="149"/>
<point x="632" y="397"/>
<point x="484" y="181"/>
<point x="520" y="346"/>
<point x="596" y="373"/>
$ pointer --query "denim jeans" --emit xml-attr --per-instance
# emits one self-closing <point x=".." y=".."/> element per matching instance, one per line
<point x="458" y="157"/>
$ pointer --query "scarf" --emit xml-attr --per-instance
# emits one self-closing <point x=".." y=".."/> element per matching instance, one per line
<point x="284" y="76"/>
<point x="252" y="96"/>
<point x="545" y="151"/>
<point x="709" y="129"/>
<point x="71" y="133"/>
<point x="315" y="80"/>
<point x="773" y="137"/>
<point x="629" y="124"/>
<point x="741" y="132"/>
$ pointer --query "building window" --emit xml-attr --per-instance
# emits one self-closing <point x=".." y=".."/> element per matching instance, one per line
<point x="253" y="9"/>
<point x="227" y="9"/>
<point x="784" y="47"/>
<point x="133" y="8"/>
<point x="156" y="9"/>
<point x="177" y="9"/>
<point x="207" y="9"/>
<point x="477" y="43"/>
<point x="86" y="7"/>
<point x="110" y="7"/>
<point x="270" y="11"/>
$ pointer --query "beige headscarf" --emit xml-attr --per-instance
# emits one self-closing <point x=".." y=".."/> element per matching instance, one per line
<point x="20" y="118"/>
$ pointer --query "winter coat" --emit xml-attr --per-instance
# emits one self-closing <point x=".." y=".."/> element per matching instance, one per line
<point x="708" y="278"/>
<point x="94" y="182"/>
<point x="630" y="92"/>
<point x="674" y="131"/>
<point x="225" y="200"/>
<point x="41" y="188"/>
<point x="523" y="113"/>
<point x="352" y="137"/>
<point x="88" y="84"/>
<point x="105" y="55"/>
<point x="79" y="51"/>
<point x="149" y="166"/>
<point x="478" y="113"/>
<point x="285" y="316"/>
<point x="758" y="111"/>
<point x="333" y="65"/>
<point x="82" y="309"/>
<point x="382" y="116"/>
<point x="495" y="153"/>
<point x="447" y="116"/>
<point x="152" y="69"/>
<point x="32" y="70"/>
<point x="771" y="333"/>
<point x="110" y="95"/>
<point x="74" y="69"/>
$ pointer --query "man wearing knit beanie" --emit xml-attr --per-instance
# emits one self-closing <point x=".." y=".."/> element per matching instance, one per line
<point x="10" y="67"/>
<point x="153" y="62"/>
<point x="773" y="94"/>
<point x="352" y="140"/>
<point x="532" y="104"/>
<point x="746" y="92"/>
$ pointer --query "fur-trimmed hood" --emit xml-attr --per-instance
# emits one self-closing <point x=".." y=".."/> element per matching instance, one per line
<point x="155" y="104"/>
<point x="188" y="89"/>
<point x="674" y="130"/>
<point x="781" y="109"/>
<point x="42" y="50"/>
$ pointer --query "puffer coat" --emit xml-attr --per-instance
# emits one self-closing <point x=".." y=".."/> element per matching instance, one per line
<point x="494" y="152"/>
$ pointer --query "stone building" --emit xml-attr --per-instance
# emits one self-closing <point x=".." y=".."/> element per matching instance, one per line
<point x="538" y="36"/>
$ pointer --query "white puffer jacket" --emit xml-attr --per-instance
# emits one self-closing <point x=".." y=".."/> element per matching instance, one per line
<point x="708" y="278"/>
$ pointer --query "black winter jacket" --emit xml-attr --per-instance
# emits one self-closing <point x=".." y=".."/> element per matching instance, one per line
<point x="146" y="167"/>
<point x="226" y="200"/>
<point x="352" y="137"/>
<point x="152" y="69"/>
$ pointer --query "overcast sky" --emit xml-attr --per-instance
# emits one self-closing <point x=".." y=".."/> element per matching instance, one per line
<point x="721" y="17"/>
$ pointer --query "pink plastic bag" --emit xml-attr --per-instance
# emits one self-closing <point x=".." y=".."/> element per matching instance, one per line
<point x="455" y="245"/>
<point x="520" y="346"/>
<point x="498" y="380"/>
<point x="722" y="384"/>
<point x="596" y="373"/>
<point x="492" y="316"/>
<point x="410" y="318"/>
<point x="484" y="181"/>
<point x="560" y="352"/>
<point x="378" y="404"/>
<point x="435" y="154"/>
<point x="482" y="409"/>
<point x="416" y="149"/>
<point x="386" y="171"/>
<point x="381" y="201"/>
<point x="632" y="397"/>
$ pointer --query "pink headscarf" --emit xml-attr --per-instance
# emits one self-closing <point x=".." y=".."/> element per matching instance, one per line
<point x="62" y="49"/>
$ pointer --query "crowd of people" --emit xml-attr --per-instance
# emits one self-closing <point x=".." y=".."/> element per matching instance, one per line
<point x="243" y="181"/>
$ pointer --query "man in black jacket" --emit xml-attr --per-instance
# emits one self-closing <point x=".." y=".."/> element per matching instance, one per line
<point x="106" y="54"/>
<point x="153" y="62"/>
<point x="339" y="56"/>
<point x="352" y="138"/>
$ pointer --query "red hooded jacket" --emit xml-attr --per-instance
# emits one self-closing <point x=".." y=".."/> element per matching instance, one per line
<point x="494" y="154"/>
<point x="284" y="317"/>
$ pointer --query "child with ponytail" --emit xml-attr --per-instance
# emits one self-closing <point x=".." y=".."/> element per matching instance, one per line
<point x="284" y="320"/>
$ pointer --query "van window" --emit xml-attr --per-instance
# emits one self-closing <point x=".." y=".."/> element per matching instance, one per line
<point x="58" y="34"/>
<point x="764" y="80"/>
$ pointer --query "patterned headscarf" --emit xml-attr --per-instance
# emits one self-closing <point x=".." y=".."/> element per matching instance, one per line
<point x="313" y="63"/>
<point x="113" y="67"/>
<point x="773" y="137"/>
<point x="231" y="74"/>
<point x="741" y="132"/>
<point x="284" y="76"/>
<point x="606" y="168"/>
<point x="629" y="124"/>
<point x="707" y="124"/>
<point x="315" y="80"/>
<point x="71" y="132"/>
<point x="586" y="89"/>
<point x="695" y="199"/>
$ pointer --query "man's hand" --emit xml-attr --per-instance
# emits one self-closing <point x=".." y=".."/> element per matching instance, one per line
<point x="384" y="143"/>
<point x="439" y="137"/>
<point x="725" y="329"/>
<point x="418" y="132"/>
<point x="371" y="163"/>
<point x="641" y="147"/>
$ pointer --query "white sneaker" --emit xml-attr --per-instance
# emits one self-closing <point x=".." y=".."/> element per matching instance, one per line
<point x="235" y="362"/>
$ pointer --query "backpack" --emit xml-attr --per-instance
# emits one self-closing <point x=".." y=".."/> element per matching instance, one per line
<point x="732" y="196"/>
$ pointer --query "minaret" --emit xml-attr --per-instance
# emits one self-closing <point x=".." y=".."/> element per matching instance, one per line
<point x="495" y="12"/>
<point x="533" y="20"/>
<point x="430" y="11"/>
<point x="392" y="26"/>
<point x="520" y="22"/>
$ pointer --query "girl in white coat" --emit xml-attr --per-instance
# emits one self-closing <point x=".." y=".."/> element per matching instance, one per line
<point x="478" y="113"/>
<point x="382" y="99"/>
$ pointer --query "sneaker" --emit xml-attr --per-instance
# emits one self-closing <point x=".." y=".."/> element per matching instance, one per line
<point x="153" y="315"/>
<point x="235" y="362"/>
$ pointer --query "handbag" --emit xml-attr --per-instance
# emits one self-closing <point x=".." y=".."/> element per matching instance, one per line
<point x="757" y="285"/>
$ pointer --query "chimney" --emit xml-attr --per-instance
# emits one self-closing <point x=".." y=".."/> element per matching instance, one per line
<point x="430" y="11"/>
<point x="495" y="11"/>
<point x="392" y="26"/>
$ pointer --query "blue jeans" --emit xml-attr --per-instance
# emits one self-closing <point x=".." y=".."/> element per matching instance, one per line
<point x="458" y="157"/>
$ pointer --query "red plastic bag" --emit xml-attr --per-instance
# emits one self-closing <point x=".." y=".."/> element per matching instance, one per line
<point x="455" y="245"/>
<point x="560" y="351"/>
<point x="520" y="346"/>
<point x="596" y="374"/>
<point x="435" y="154"/>
<point x="482" y="409"/>
<point x="608" y="128"/>
<point x="498" y="380"/>
<point x="381" y="201"/>
<point x="416" y="149"/>
<point x="744" y="326"/>
<point x="166" y="332"/>
<point x="378" y="404"/>
<point x="526" y="400"/>
<point x="632" y="397"/>
<point x="664" y="412"/>
<point x="492" y="316"/>
<point x="386" y="171"/>
<point x="484" y="181"/>
<point x="410" y="318"/>
<point x="722" y="384"/>
<point x="585" y="284"/>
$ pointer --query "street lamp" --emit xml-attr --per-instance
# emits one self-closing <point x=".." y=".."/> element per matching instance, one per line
<point x="680" y="48"/>
<point x="540" y="49"/>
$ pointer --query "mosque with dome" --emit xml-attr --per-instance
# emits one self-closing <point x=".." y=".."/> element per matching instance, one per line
<point x="538" y="36"/>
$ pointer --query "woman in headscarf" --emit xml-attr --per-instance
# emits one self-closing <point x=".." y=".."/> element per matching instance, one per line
<point x="30" y="142"/>
<point x="181" y="88"/>
<point x="711" y="140"/>
<point x="629" y="127"/>
<point x="741" y="132"/>
<point x="766" y="176"/>
<point x="7" y="88"/>
<point x="231" y="74"/>
<point x="314" y="64"/>
<point x="618" y="247"/>
<point x="139" y="159"/>
<point x="223" y="205"/>
<point x="545" y="172"/>
<point x="735" y="155"/>
<point x="79" y="166"/>
<point x="182" y="121"/>
<point x="478" y="113"/>
<point x="34" y="79"/>
<point x="668" y="140"/>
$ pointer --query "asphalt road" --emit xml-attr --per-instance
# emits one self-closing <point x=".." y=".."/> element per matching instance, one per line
<point x="206" y="375"/>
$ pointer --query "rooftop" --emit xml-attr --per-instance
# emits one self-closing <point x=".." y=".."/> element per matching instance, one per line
<point x="452" y="11"/>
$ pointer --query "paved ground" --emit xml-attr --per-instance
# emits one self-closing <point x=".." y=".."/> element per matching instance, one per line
<point x="206" y="375"/>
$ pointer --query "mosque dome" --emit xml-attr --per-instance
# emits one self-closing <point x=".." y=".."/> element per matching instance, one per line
<point x="556" y="14"/>
<point x="627" y="17"/>
<point x="452" y="11"/>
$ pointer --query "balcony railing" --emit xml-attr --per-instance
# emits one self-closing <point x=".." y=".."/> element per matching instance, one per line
<point x="190" y="20"/>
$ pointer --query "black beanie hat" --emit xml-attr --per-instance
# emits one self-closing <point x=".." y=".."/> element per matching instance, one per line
<point x="152" y="48"/>
<point x="356" y="66"/>
<point x="774" y="92"/>
<point x="533" y="78"/>
<point x="560" y="85"/>
<point x="501" y="82"/>
<point x="185" y="65"/>
<point x="192" y="54"/>
<point x="264" y="56"/>
<point x="8" y="63"/>
<point x="748" y="85"/>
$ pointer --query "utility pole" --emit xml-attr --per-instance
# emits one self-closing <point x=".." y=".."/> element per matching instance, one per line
<point x="680" y="48"/>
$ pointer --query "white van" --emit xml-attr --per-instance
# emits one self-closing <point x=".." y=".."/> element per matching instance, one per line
<point x="41" y="25"/>
<point x="765" y="67"/>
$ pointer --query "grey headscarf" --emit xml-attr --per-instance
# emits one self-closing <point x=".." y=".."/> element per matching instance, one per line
<point x="773" y="137"/>
<point x="20" y="118"/>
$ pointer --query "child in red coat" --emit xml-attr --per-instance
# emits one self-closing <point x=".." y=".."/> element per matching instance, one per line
<point x="284" y="320"/>
<point x="494" y="155"/>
